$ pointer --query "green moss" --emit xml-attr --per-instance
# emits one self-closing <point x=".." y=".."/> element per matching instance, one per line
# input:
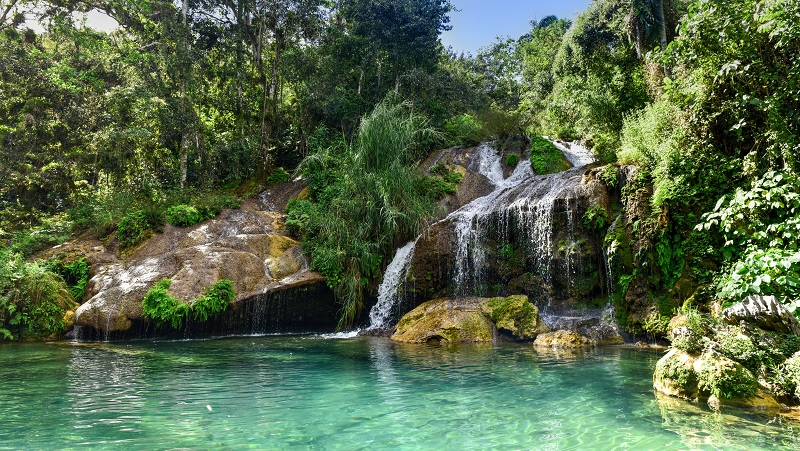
<point x="724" y="378"/>
<point x="678" y="373"/>
<point x="515" y="314"/>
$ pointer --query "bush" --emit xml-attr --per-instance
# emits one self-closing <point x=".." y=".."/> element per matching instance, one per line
<point x="369" y="200"/>
<point x="652" y="139"/>
<point x="183" y="215"/>
<point x="133" y="229"/>
<point x="215" y="300"/>
<point x="161" y="308"/>
<point x="512" y="159"/>
<point x="465" y="130"/>
<point x="299" y="213"/>
<point x="278" y="176"/>
<point x="545" y="156"/>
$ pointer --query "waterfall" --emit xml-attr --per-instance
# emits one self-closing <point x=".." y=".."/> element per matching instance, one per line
<point x="381" y="313"/>
<point x="525" y="201"/>
<point x="520" y="207"/>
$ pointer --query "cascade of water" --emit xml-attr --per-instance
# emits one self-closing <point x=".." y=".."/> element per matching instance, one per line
<point x="381" y="313"/>
<point x="523" y="198"/>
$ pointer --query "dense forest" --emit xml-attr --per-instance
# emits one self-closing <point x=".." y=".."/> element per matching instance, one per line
<point x="190" y="107"/>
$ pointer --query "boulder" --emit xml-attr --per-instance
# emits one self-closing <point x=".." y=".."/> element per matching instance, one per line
<point x="446" y="320"/>
<point x="764" y="312"/>
<point x="470" y="320"/>
<point x="562" y="339"/>
<point x="713" y="377"/>
<point x="516" y="315"/>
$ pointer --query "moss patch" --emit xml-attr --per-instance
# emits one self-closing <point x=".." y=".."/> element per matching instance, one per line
<point x="515" y="314"/>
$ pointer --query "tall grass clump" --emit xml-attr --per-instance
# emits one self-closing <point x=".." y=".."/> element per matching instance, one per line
<point x="368" y="200"/>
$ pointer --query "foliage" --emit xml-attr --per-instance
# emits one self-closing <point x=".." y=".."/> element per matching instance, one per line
<point x="787" y="377"/>
<point x="183" y="215"/>
<point x="610" y="176"/>
<point x="278" y="176"/>
<point x="651" y="139"/>
<point x="764" y="272"/>
<point x="595" y="217"/>
<point x="464" y="129"/>
<point x="545" y="156"/>
<point x="133" y="229"/>
<point x="375" y="201"/>
<point x="723" y="380"/>
<point x="760" y="227"/>
<point x="33" y="299"/>
<point x="214" y="301"/>
<point x="512" y="159"/>
<point x="162" y="309"/>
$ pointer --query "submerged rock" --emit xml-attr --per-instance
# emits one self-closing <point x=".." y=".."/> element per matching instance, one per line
<point x="470" y="320"/>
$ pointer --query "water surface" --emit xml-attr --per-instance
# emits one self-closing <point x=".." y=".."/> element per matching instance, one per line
<point x="307" y="392"/>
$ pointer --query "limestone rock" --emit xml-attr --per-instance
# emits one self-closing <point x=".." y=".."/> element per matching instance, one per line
<point x="764" y="312"/>
<point x="517" y="315"/>
<point x="246" y="245"/>
<point x="446" y="320"/>
<point x="719" y="380"/>
<point x="562" y="339"/>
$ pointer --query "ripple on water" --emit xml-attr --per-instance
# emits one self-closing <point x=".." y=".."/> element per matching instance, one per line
<point x="355" y="393"/>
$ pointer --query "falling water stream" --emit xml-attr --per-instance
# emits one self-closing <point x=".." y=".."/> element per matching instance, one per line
<point x="523" y="198"/>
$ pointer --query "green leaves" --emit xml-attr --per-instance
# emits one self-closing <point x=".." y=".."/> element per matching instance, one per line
<point x="162" y="309"/>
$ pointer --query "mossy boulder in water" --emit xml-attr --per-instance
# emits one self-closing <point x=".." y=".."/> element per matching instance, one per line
<point x="516" y="315"/>
<point x="562" y="339"/>
<point x="718" y="379"/>
<point x="446" y="320"/>
<point x="470" y="320"/>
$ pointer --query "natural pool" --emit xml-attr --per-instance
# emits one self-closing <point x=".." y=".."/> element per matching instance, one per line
<point x="308" y="392"/>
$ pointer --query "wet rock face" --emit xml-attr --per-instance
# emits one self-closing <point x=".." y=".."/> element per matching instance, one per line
<point x="246" y="245"/>
<point x="545" y="251"/>
<point x="470" y="320"/>
<point x="763" y="312"/>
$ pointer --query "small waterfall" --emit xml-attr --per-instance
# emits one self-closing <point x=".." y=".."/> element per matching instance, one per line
<point x="381" y="313"/>
<point x="523" y="200"/>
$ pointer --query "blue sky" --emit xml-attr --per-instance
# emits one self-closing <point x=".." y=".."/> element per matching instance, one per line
<point x="479" y="21"/>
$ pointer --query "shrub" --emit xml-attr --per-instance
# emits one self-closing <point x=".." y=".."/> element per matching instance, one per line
<point x="369" y="199"/>
<point x="215" y="300"/>
<point x="464" y="129"/>
<point x="132" y="229"/>
<point x="33" y="299"/>
<point x="278" y="176"/>
<point x="299" y="213"/>
<point x="545" y="156"/>
<point x="183" y="215"/>
<point x="161" y="308"/>
<point x="512" y="159"/>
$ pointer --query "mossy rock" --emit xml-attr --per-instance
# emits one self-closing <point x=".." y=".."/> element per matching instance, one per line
<point x="517" y="315"/>
<point x="562" y="339"/>
<point x="446" y="320"/>
<point x="710" y="376"/>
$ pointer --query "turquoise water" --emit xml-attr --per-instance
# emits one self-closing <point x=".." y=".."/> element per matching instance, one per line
<point x="306" y="392"/>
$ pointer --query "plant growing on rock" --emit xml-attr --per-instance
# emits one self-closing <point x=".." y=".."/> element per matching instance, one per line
<point x="161" y="308"/>
<point x="545" y="156"/>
